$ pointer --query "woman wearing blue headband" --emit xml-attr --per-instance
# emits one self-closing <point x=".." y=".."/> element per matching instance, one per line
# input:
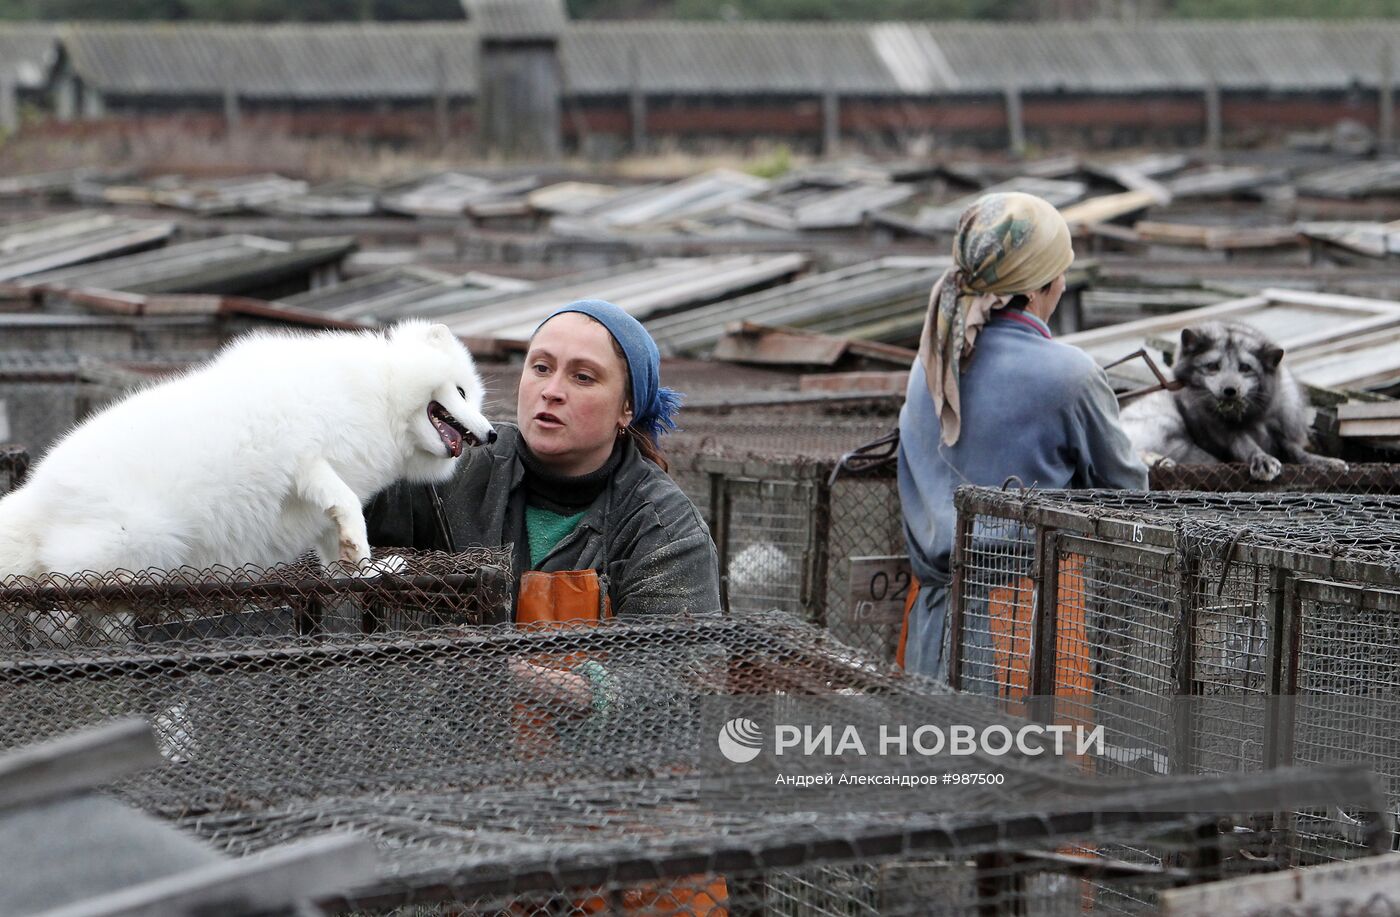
<point x="578" y="485"/>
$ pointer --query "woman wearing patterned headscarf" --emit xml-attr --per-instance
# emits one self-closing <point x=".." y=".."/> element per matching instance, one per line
<point x="993" y="397"/>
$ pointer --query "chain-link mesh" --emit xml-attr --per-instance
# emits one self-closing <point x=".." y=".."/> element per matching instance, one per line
<point x="462" y="754"/>
<point x="864" y="521"/>
<point x="1230" y="633"/>
<point x="1114" y="620"/>
<point x="786" y="535"/>
<point x="1211" y="598"/>
<point x="768" y="527"/>
<point x="1347" y="660"/>
<point x="995" y="631"/>
<point x="404" y="591"/>
<point x="1234" y="477"/>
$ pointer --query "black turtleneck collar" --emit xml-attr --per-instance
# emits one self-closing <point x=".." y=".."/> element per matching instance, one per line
<point x="562" y="494"/>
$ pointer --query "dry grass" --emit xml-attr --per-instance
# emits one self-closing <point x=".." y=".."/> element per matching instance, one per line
<point x="200" y="147"/>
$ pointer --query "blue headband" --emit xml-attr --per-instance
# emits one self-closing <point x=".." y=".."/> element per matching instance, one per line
<point x="653" y="407"/>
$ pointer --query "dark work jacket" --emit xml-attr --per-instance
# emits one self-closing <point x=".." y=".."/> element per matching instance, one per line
<point x="642" y="534"/>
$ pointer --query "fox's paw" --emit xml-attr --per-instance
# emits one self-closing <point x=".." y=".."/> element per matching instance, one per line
<point x="1328" y="463"/>
<point x="1264" y="467"/>
<point x="1154" y="460"/>
<point x="387" y="565"/>
<point x="353" y="552"/>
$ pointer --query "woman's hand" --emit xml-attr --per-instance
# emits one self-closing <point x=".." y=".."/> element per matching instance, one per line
<point x="568" y="689"/>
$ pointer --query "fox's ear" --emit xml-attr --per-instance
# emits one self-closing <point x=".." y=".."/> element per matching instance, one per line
<point x="1190" y="340"/>
<point x="441" y="334"/>
<point x="1271" y="357"/>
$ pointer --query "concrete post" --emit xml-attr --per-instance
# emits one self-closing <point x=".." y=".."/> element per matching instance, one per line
<point x="440" y="123"/>
<point x="9" y="104"/>
<point x="1215" y="123"/>
<point x="637" y="99"/>
<point x="1015" y="124"/>
<point x="831" y="122"/>
<point x="1385" y="123"/>
<point x="233" y="115"/>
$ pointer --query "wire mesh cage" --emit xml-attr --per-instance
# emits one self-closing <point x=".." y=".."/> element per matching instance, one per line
<point x="786" y="530"/>
<point x="405" y="591"/>
<point x="462" y="754"/>
<point x="1272" y="613"/>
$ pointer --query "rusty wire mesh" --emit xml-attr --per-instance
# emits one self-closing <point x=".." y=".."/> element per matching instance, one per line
<point x="425" y="589"/>
<point x="1234" y="478"/>
<point x="1115" y="602"/>
<point x="454" y="752"/>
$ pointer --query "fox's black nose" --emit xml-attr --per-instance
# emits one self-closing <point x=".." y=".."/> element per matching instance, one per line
<point x="491" y="437"/>
<point x="1230" y="391"/>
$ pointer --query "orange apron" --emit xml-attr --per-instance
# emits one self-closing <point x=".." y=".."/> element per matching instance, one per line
<point x="577" y="597"/>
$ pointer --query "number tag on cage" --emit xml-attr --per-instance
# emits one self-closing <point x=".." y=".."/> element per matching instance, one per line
<point x="879" y="588"/>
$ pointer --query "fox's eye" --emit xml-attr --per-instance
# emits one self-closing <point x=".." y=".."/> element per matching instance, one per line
<point x="1212" y="366"/>
<point x="1248" y="370"/>
<point x="461" y="392"/>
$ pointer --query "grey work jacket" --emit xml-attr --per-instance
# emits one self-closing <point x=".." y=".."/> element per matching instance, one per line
<point x="642" y="534"/>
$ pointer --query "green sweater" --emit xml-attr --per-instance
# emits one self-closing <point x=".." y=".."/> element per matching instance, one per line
<point x="546" y="529"/>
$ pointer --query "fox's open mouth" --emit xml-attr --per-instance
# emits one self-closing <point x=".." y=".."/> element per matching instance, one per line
<point x="452" y="431"/>
<point x="1231" y="408"/>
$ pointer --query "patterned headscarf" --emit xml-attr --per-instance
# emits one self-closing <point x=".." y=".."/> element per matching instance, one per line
<point x="1006" y="244"/>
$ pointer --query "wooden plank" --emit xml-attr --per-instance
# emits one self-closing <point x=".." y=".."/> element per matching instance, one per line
<point x="77" y="762"/>
<point x="874" y="383"/>
<point x="292" y="874"/>
<point x="1362" y="410"/>
<point x="777" y="348"/>
<point x="1325" y="889"/>
<point x="1107" y="207"/>
<point x="1330" y="300"/>
<point x="1377" y="428"/>
<point x="1143" y="327"/>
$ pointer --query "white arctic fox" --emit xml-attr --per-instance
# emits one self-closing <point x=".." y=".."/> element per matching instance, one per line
<point x="266" y="452"/>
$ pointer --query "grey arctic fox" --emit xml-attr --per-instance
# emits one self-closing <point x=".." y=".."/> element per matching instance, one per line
<point x="1237" y="403"/>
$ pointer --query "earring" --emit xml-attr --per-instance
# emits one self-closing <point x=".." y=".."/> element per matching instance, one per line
<point x="620" y="431"/>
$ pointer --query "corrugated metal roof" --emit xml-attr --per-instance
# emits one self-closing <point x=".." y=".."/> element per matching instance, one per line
<point x="55" y="242"/>
<point x="226" y="264"/>
<point x="27" y="51"/>
<point x="518" y="19"/>
<point x="1103" y="57"/>
<point x="738" y="58"/>
<point x="327" y="61"/>
<point x="398" y="60"/>
<point x="642" y="289"/>
<point x="873" y="300"/>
